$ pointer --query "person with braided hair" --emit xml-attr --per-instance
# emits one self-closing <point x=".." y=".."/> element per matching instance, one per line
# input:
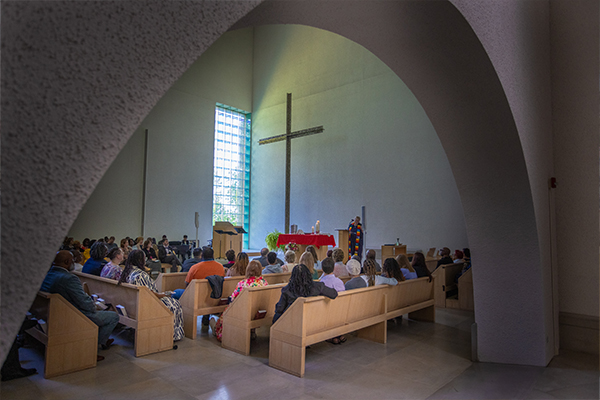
<point x="301" y="284"/>
<point x="371" y="276"/>
<point x="134" y="274"/>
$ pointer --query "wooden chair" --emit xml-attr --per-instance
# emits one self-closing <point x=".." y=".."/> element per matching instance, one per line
<point x="72" y="338"/>
<point x="151" y="319"/>
<point x="239" y="318"/>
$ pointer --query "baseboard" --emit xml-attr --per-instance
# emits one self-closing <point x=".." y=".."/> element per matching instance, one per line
<point x="579" y="332"/>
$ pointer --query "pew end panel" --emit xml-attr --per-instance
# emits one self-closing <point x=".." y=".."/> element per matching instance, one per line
<point x="155" y="324"/>
<point x="238" y="319"/>
<point x="444" y="282"/>
<point x="71" y="340"/>
<point x="465" y="291"/>
<point x="287" y="341"/>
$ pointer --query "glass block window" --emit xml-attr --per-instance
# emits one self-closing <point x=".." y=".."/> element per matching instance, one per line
<point x="231" y="180"/>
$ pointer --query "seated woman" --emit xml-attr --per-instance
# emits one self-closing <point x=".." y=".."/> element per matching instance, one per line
<point x="419" y="265"/>
<point x="125" y="248"/>
<point x="239" y="268"/>
<point x="407" y="270"/>
<point x="134" y="274"/>
<point x="152" y="261"/>
<point x="311" y="249"/>
<point x="253" y="279"/>
<point x="339" y="269"/>
<point x="290" y="261"/>
<point x="113" y="269"/>
<point x="139" y="243"/>
<point x="391" y="269"/>
<point x="301" y="284"/>
<point x="77" y="260"/>
<point x="96" y="261"/>
<point x="307" y="259"/>
<point x="371" y="276"/>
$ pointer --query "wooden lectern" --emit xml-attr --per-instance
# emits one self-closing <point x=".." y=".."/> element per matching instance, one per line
<point x="226" y="237"/>
<point x="343" y="241"/>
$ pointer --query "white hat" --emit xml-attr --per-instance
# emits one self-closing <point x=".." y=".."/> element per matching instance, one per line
<point x="353" y="267"/>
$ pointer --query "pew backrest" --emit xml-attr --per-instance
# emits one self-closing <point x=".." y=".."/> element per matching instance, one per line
<point x="170" y="281"/>
<point x="150" y="317"/>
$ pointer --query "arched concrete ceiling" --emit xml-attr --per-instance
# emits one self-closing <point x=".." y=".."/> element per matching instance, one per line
<point x="78" y="78"/>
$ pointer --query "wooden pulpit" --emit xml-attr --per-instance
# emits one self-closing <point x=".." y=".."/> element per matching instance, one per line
<point x="343" y="241"/>
<point x="226" y="237"/>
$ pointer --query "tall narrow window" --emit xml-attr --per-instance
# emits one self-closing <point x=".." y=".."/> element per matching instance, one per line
<point x="231" y="182"/>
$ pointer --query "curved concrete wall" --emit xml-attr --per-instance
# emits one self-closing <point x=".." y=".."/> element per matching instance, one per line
<point x="78" y="77"/>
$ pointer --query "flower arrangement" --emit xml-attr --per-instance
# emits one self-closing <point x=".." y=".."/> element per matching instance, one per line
<point x="292" y="246"/>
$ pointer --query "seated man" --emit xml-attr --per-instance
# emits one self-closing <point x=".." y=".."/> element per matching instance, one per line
<point x="273" y="267"/>
<point x="186" y="242"/>
<point x="263" y="257"/>
<point x="371" y="256"/>
<point x="207" y="267"/>
<point x="446" y="259"/>
<point x="187" y="264"/>
<point x="110" y="244"/>
<point x="60" y="280"/>
<point x="166" y="255"/>
<point x="328" y="278"/>
<point x="230" y="256"/>
<point x="355" y="281"/>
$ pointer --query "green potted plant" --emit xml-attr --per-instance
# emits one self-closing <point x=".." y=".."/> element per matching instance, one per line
<point x="271" y="240"/>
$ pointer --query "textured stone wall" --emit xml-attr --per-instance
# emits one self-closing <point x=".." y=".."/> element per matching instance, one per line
<point x="77" y="79"/>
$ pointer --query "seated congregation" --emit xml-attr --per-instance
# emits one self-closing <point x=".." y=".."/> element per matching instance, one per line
<point x="110" y="285"/>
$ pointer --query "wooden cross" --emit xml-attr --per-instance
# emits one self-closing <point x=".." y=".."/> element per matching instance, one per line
<point x="288" y="136"/>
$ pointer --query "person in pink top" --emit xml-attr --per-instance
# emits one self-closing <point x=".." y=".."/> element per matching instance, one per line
<point x="253" y="279"/>
<point x="332" y="281"/>
<point x="339" y="268"/>
<point x="328" y="278"/>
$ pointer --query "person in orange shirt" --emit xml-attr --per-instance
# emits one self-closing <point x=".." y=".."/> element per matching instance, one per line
<point x="205" y="268"/>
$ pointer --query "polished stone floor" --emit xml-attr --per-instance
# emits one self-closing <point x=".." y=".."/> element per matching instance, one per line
<point x="420" y="361"/>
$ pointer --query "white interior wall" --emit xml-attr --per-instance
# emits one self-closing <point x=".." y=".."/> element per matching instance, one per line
<point x="180" y="152"/>
<point x="403" y="178"/>
<point x="379" y="149"/>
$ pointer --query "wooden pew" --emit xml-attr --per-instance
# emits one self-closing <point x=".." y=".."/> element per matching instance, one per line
<point x="151" y="319"/>
<point x="238" y="319"/>
<point x="72" y="338"/>
<point x="367" y="310"/>
<point x="196" y="300"/>
<point x="414" y="297"/>
<point x="170" y="281"/>
<point x="314" y="319"/>
<point x="444" y="282"/>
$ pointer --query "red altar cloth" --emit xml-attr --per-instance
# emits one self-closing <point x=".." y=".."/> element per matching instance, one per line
<point x="315" y="240"/>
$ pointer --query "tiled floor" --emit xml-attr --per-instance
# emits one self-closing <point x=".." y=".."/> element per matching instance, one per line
<point x="420" y="361"/>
